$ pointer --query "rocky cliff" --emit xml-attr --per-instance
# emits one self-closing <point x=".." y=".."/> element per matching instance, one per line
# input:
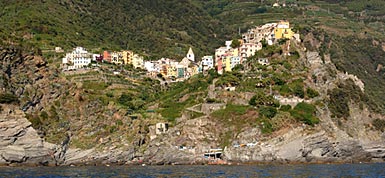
<point x="57" y="120"/>
<point x="20" y="143"/>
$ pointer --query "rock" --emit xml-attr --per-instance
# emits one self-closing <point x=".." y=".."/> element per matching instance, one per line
<point x="13" y="154"/>
<point x="20" y="143"/>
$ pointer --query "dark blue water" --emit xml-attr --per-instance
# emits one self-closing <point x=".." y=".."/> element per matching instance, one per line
<point x="317" y="170"/>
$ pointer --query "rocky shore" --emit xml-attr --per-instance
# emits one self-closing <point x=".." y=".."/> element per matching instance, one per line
<point x="21" y="145"/>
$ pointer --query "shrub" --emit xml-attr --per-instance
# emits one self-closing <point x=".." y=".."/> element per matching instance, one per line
<point x="8" y="98"/>
<point x="338" y="104"/>
<point x="262" y="99"/>
<point x="285" y="108"/>
<point x="125" y="99"/>
<point x="305" y="113"/>
<point x="311" y="93"/>
<point x="109" y="94"/>
<point x="261" y="10"/>
<point x="266" y="126"/>
<point x="267" y="111"/>
<point x="285" y="90"/>
<point x="379" y="124"/>
<point x="298" y="90"/>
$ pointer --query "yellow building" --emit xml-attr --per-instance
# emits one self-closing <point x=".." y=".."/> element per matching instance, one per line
<point x="228" y="64"/>
<point x="283" y="30"/>
<point x="171" y="71"/>
<point x="234" y="52"/>
<point x="127" y="57"/>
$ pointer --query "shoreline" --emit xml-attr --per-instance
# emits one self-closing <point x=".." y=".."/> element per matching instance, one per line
<point x="228" y="163"/>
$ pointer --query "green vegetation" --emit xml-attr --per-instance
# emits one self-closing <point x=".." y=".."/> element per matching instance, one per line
<point x="181" y="95"/>
<point x="262" y="99"/>
<point x="311" y="93"/>
<point x="8" y="98"/>
<point x="235" y="118"/>
<point x="162" y="28"/>
<point x="230" y="112"/>
<point x="379" y="124"/>
<point x="342" y="95"/>
<point x="305" y="113"/>
<point x="267" y="111"/>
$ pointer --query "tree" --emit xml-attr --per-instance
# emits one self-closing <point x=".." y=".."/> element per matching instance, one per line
<point x="267" y="111"/>
<point x="311" y="93"/>
<point x="235" y="43"/>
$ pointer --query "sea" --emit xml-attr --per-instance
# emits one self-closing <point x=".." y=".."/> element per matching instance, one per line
<point x="294" y="170"/>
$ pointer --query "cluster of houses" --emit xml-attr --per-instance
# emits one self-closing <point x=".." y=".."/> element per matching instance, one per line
<point x="225" y="58"/>
<point x="80" y="58"/>
<point x="172" y="69"/>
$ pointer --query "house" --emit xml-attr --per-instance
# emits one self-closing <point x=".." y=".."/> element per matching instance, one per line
<point x="185" y="62"/>
<point x="107" y="56"/>
<point x="276" y="5"/>
<point x="78" y="58"/>
<point x="235" y="60"/>
<point x="116" y="58"/>
<point x="181" y="70"/>
<point x="227" y="63"/>
<point x="171" y="71"/>
<point x="219" y="65"/>
<point x="127" y="57"/>
<point x="137" y="61"/>
<point x="283" y="30"/>
<point x="249" y="49"/>
<point x="150" y="66"/>
<point x="207" y="63"/>
<point x="259" y="33"/>
<point x="220" y="52"/>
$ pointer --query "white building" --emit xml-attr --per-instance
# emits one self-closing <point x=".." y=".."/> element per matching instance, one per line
<point x="137" y="61"/>
<point x="77" y="59"/>
<point x="258" y="33"/>
<point x="207" y="63"/>
<point x="228" y="44"/>
<point x="151" y="66"/>
<point x="249" y="49"/>
<point x="235" y="60"/>
<point x="116" y="58"/>
<point x="95" y="57"/>
<point x="190" y="55"/>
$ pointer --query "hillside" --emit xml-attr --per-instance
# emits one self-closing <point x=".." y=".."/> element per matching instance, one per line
<point x="306" y="107"/>
<point x="154" y="28"/>
<point x="351" y="31"/>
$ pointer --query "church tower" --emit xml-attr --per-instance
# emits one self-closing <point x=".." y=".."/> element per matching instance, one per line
<point x="190" y="55"/>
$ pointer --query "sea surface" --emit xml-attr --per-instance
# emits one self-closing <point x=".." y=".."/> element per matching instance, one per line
<point x="296" y="170"/>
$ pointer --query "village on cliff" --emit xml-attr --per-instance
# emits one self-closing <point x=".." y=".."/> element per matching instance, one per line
<point x="234" y="52"/>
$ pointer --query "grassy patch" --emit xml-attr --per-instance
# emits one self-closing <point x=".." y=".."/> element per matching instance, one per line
<point x="305" y="113"/>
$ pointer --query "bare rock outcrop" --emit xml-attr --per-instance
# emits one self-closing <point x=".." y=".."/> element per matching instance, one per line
<point x="20" y="143"/>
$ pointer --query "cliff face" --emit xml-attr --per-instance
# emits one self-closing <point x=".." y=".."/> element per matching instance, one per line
<point x="20" y="143"/>
<point x="57" y="121"/>
<point x="334" y="139"/>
